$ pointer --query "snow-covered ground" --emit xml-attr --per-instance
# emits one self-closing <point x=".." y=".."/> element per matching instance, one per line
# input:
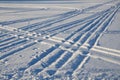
<point x="60" y="40"/>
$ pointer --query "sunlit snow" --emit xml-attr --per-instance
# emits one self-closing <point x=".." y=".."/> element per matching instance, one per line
<point x="60" y="40"/>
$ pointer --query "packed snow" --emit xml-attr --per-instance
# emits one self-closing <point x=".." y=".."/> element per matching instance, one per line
<point x="60" y="40"/>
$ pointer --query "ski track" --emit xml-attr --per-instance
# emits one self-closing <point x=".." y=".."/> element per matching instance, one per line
<point x="66" y="56"/>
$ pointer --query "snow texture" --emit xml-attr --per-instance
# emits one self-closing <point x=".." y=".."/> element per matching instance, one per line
<point x="60" y="40"/>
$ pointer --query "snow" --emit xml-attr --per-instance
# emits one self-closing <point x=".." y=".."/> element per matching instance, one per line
<point x="110" y="41"/>
<point x="60" y="40"/>
<point x="99" y="69"/>
<point x="110" y="38"/>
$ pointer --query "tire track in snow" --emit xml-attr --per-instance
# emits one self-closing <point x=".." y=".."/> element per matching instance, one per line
<point x="29" y="19"/>
<point x="42" y="24"/>
<point x="49" y="22"/>
<point x="94" y="36"/>
<point x="70" y="25"/>
<point x="98" y="28"/>
<point x="78" y="55"/>
<point x="109" y="55"/>
<point x="65" y="17"/>
<point x="22" y="47"/>
<point x="100" y="18"/>
<point x="1" y="58"/>
<point x="87" y="27"/>
<point x="41" y="56"/>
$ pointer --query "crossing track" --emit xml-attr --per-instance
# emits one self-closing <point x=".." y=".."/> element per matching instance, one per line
<point x="66" y="56"/>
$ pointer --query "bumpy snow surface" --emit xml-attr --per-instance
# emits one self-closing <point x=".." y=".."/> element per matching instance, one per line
<point x="60" y="40"/>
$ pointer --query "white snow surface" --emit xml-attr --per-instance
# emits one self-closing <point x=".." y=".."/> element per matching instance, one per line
<point x="60" y="40"/>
